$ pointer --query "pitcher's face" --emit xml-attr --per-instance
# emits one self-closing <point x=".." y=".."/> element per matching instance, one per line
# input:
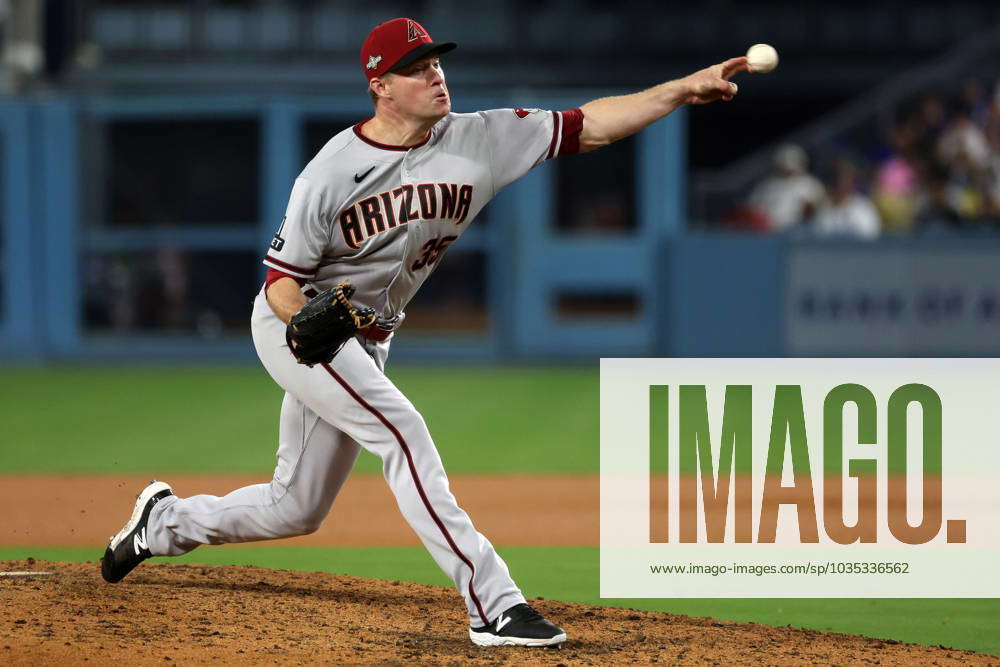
<point x="419" y="90"/>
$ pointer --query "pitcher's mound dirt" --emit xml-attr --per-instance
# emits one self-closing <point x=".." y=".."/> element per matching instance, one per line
<point x="184" y="613"/>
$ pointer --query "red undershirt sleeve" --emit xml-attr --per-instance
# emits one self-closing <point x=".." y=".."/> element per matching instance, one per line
<point x="572" y="125"/>
<point x="274" y="275"/>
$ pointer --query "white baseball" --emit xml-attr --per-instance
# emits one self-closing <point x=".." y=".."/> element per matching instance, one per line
<point x="762" y="58"/>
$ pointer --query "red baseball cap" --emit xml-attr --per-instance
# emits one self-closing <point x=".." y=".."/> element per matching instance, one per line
<point x="397" y="43"/>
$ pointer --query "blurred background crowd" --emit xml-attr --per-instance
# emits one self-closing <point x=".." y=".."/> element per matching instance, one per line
<point x="935" y="168"/>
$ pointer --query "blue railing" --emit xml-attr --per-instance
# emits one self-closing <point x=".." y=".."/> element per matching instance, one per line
<point x="20" y="235"/>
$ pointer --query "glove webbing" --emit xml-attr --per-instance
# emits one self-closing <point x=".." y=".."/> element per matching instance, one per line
<point x="359" y="322"/>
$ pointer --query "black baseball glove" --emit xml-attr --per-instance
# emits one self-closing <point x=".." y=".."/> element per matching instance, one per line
<point x="316" y="333"/>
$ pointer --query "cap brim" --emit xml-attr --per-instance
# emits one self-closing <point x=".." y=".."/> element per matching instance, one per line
<point x="423" y="51"/>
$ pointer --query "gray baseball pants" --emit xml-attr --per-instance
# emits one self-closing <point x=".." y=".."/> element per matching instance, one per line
<point x="328" y="413"/>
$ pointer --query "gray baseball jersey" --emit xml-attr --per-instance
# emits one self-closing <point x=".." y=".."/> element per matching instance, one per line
<point x="382" y="216"/>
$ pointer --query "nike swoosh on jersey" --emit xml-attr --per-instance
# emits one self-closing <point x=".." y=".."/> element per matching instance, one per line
<point x="358" y="179"/>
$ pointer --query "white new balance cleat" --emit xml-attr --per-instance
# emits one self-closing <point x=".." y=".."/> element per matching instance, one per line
<point x="128" y="548"/>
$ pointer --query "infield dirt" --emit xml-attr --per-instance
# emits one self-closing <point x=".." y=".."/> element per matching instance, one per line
<point x="84" y="510"/>
<point x="185" y="613"/>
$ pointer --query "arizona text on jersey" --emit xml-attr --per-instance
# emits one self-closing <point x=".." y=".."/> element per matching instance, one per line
<point x="382" y="216"/>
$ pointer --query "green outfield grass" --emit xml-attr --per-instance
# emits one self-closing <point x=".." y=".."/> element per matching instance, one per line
<point x="571" y="574"/>
<point x="165" y="420"/>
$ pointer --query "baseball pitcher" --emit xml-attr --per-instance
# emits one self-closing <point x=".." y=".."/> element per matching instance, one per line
<point x="368" y="220"/>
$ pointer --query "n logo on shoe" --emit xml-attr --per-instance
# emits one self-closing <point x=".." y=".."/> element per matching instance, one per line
<point x="139" y="541"/>
<point x="502" y="621"/>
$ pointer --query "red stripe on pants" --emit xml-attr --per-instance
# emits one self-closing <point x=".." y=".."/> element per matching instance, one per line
<point x="420" y="488"/>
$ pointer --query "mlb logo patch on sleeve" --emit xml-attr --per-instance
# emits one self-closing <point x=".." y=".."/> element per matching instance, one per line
<point x="278" y="242"/>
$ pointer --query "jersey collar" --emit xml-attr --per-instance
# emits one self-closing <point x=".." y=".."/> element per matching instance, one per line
<point x="386" y="147"/>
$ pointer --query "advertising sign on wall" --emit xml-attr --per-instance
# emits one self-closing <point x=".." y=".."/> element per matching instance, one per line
<point x="899" y="302"/>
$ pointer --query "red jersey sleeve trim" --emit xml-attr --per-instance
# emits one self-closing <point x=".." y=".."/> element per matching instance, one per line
<point x="273" y="275"/>
<point x="290" y="269"/>
<point x="572" y="126"/>
<point x="556" y="135"/>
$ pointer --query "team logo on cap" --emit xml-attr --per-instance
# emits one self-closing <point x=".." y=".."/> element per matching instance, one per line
<point x="413" y="31"/>
<point x="373" y="62"/>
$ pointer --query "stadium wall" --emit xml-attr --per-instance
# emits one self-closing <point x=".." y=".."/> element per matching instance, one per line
<point x="652" y="290"/>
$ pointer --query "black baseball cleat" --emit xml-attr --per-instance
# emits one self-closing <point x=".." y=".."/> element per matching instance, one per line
<point x="518" y="626"/>
<point x="128" y="547"/>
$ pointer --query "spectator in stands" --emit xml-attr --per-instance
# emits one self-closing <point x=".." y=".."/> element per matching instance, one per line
<point x="850" y="213"/>
<point x="927" y="124"/>
<point x="963" y="144"/>
<point x="174" y="276"/>
<point x="898" y="193"/>
<point x="975" y="98"/>
<point x="938" y="212"/>
<point x="993" y="182"/>
<point x="993" y="112"/>
<point x="791" y="195"/>
<point x="965" y="153"/>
